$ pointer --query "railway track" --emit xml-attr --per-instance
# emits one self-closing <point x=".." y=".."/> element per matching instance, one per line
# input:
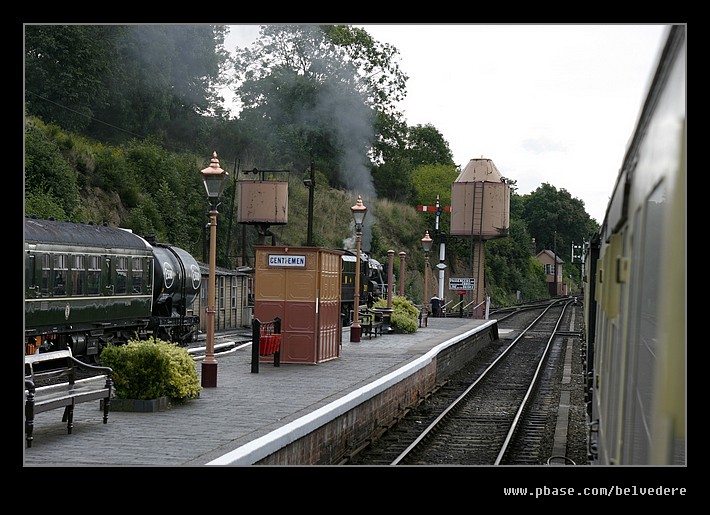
<point x="224" y="343"/>
<point x="498" y="410"/>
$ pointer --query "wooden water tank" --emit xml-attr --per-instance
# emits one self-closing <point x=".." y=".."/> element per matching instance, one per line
<point x="480" y="202"/>
<point x="262" y="202"/>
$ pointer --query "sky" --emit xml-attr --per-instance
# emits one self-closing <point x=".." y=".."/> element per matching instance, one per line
<point x="552" y="104"/>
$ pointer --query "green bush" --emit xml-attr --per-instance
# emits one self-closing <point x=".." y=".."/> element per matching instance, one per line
<point x="405" y="317"/>
<point x="148" y="369"/>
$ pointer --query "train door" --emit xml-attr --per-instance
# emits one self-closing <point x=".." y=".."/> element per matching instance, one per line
<point x="93" y="274"/>
<point x="60" y="274"/>
<point x="32" y="275"/>
<point x="77" y="275"/>
<point x="120" y="275"/>
<point x="642" y="333"/>
<point x="141" y="274"/>
<point x="107" y="273"/>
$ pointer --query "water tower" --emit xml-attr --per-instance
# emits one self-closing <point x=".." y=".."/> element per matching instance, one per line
<point x="480" y="210"/>
<point x="262" y="203"/>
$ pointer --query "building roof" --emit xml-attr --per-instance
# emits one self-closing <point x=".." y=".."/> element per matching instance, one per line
<point x="550" y="254"/>
<point x="480" y="170"/>
<point x="218" y="270"/>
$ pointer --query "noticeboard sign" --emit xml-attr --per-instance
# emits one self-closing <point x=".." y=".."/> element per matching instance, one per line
<point x="462" y="283"/>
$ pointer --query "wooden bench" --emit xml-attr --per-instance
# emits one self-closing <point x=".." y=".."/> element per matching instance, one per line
<point x="371" y="323"/>
<point x="63" y="389"/>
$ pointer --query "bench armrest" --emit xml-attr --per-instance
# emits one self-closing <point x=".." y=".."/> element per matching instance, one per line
<point x="29" y="385"/>
<point x="103" y="370"/>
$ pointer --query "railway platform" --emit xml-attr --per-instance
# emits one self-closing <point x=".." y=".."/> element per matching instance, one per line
<point x="250" y="416"/>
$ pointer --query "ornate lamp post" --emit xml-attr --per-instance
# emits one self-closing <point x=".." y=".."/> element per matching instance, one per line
<point x="214" y="179"/>
<point x="310" y="183"/>
<point x="401" y="273"/>
<point x="426" y="245"/>
<point x="390" y="274"/>
<point x="359" y="211"/>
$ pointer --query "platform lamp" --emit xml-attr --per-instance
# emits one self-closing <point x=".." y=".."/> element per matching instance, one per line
<point x="214" y="179"/>
<point x="401" y="273"/>
<point x="359" y="211"/>
<point x="426" y="245"/>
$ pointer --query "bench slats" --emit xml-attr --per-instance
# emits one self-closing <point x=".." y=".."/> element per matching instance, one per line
<point x="56" y="396"/>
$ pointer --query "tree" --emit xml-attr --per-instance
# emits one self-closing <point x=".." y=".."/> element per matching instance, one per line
<point x="393" y="165"/>
<point x="400" y="151"/>
<point x="427" y="146"/>
<point x="65" y="72"/>
<point x="430" y="181"/>
<point x="48" y="176"/>
<point x="117" y="82"/>
<point x="314" y="92"/>
<point x="556" y="220"/>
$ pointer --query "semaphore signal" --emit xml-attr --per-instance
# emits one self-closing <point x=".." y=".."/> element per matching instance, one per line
<point x="441" y="238"/>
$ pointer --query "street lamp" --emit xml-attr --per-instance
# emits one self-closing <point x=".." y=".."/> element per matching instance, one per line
<point x="214" y="179"/>
<point x="390" y="273"/>
<point x="401" y="273"/>
<point x="310" y="183"/>
<point x="426" y="245"/>
<point x="359" y="211"/>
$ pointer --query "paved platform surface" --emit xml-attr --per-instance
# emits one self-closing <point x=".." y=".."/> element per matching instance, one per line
<point x="242" y="408"/>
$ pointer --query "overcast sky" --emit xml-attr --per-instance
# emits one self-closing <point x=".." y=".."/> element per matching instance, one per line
<point x="546" y="103"/>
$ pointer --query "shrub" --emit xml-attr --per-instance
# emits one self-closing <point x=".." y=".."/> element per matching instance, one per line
<point x="405" y="317"/>
<point x="148" y="369"/>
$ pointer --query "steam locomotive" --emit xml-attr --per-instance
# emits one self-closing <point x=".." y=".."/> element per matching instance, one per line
<point x="88" y="285"/>
<point x="635" y="286"/>
<point x="373" y="283"/>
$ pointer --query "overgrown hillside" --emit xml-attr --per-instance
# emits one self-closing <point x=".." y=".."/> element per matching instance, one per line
<point x="142" y="187"/>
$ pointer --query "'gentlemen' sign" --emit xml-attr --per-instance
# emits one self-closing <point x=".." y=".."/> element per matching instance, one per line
<point x="289" y="260"/>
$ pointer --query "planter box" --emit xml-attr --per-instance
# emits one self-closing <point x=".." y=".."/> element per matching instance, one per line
<point x="142" y="406"/>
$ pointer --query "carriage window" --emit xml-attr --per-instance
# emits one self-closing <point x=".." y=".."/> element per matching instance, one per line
<point x="93" y="276"/>
<point x="78" y="275"/>
<point x="44" y="279"/>
<point x="121" y="275"/>
<point x="136" y="275"/>
<point x="60" y="274"/>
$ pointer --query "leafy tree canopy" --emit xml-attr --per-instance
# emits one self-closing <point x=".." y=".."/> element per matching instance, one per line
<point x="117" y="82"/>
<point x="315" y="92"/>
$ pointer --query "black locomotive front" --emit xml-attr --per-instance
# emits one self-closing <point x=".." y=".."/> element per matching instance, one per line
<point x="176" y="284"/>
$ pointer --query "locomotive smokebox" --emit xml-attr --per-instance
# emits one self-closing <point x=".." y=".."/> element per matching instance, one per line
<point x="480" y="202"/>
<point x="176" y="281"/>
<point x="262" y="202"/>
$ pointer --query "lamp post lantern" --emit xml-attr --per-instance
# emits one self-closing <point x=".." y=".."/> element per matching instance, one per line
<point x="214" y="179"/>
<point x="426" y="245"/>
<point x="359" y="211"/>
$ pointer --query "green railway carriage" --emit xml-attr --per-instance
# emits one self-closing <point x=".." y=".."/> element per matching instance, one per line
<point x="87" y="285"/>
